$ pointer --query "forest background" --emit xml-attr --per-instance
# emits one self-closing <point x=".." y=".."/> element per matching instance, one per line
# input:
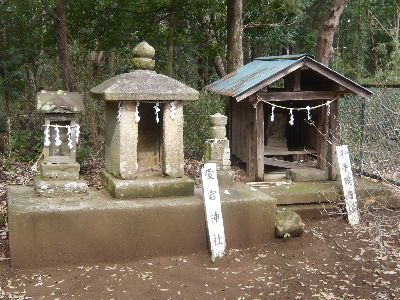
<point x="75" y="45"/>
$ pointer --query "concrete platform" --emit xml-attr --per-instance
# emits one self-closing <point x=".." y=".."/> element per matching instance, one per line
<point x="99" y="228"/>
<point x="147" y="186"/>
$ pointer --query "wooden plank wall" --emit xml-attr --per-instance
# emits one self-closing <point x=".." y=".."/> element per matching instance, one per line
<point x="239" y="138"/>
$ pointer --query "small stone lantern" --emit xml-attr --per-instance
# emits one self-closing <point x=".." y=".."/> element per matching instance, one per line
<point x="59" y="169"/>
<point x="217" y="147"/>
<point x="144" y="131"/>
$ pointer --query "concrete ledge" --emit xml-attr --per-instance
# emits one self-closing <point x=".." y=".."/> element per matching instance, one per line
<point x="307" y="174"/>
<point x="99" y="228"/>
<point x="147" y="187"/>
<point x="305" y="192"/>
<point x="56" y="188"/>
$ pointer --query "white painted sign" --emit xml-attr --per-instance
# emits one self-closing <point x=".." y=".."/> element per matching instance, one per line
<point x="346" y="176"/>
<point x="212" y="205"/>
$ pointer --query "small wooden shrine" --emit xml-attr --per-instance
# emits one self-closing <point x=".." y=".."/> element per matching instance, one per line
<point x="283" y="107"/>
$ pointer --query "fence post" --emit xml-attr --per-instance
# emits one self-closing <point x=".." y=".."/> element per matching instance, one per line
<point x="363" y="104"/>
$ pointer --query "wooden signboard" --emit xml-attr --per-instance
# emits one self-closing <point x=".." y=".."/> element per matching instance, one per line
<point x="346" y="176"/>
<point x="212" y="205"/>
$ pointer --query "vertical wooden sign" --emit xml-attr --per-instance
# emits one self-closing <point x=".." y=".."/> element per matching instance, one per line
<point x="346" y="176"/>
<point x="212" y="205"/>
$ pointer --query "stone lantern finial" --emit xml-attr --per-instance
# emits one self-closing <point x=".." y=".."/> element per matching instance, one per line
<point x="143" y="57"/>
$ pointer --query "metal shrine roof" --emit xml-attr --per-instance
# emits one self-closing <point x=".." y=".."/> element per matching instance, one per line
<point x="265" y="70"/>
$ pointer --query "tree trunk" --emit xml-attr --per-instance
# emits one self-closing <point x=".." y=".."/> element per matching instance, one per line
<point x="201" y="73"/>
<point x="171" y="29"/>
<point x="374" y="53"/>
<point x="219" y="66"/>
<point x="327" y="31"/>
<point x="96" y="57"/>
<point x="67" y="73"/>
<point x="234" y="27"/>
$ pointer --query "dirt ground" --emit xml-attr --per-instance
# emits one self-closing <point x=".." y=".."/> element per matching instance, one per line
<point x="331" y="260"/>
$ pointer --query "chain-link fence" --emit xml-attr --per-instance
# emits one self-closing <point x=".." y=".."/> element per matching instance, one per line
<point x="371" y="129"/>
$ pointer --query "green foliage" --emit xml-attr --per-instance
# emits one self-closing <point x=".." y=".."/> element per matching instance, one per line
<point x="197" y="122"/>
<point x="29" y="59"/>
<point x="26" y="144"/>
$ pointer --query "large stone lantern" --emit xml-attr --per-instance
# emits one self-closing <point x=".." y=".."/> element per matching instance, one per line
<point x="144" y="131"/>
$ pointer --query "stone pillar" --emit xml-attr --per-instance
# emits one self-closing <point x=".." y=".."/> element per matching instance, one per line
<point x="172" y="158"/>
<point x="217" y="147"/>
<point x="121" y="140"/>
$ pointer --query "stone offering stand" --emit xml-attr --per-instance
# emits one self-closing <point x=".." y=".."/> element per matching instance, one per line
<point x="149" y="208"/>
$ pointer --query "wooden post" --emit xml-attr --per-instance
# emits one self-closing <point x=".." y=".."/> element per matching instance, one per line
<point x="259" y="126"/>
<point x="322" y="142"/>
<point x="333" y="138"/>
<point x="255" y="142"/>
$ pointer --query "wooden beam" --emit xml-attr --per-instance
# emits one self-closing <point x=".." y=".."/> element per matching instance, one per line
<point x="296" y="80"/>
<point x="259" y="136"/>
<point x="251" y="130"/>
<point x="333" y="137"/>
<point x="304" y="95"/>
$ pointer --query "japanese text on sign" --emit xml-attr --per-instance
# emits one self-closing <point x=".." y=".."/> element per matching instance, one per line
<point x="212" y="204"/>
<point x="348" y="184"/>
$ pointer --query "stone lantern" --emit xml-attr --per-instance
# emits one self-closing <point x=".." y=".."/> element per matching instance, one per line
<point x="59" y="169"/>
<point x="144" y="131"/>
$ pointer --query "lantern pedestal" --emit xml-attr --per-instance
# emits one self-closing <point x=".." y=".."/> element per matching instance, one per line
<point x="147" y="186"/>
<point x="69" y="171"/>
<point x="51" y="188"/>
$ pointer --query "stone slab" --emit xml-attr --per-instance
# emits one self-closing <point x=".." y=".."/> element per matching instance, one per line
<point x="330" y="192"/>
<point x="147" y="187"/>
<point x="305" y="192"/>
<point x="55" y="188"/>
<point x="98" y="228"/>
<point x="306" y="174"/>
<point x="60" y="171"/>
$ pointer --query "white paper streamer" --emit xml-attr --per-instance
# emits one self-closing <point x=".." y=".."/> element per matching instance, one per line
<point x="47" y="136"/>
<point x="291" y="121"/>
<point x="272" y="114"/>
<point x="172" y="111"/>
<point x="119" y="113"/>
<point x="308" y="113"/>
<point x="328" y="108"/>
<point x="157" y="110"/>
<point x="137" y="117"/>
<point x="77" y="132"/>
<point x="57" y="140"/>
<point x="69" y="137"/>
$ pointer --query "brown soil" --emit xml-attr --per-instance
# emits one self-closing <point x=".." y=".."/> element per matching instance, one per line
<point x="331" y="260"/>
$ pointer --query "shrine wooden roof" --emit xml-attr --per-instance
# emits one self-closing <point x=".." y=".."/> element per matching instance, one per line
<point x="264" y="71"/>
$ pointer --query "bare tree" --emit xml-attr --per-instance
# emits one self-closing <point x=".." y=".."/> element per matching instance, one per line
<point x="234" y="27"/>
<point x="327" y="31"/>
<point x="67" y="71"/>
<point x="171" y="30"/>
